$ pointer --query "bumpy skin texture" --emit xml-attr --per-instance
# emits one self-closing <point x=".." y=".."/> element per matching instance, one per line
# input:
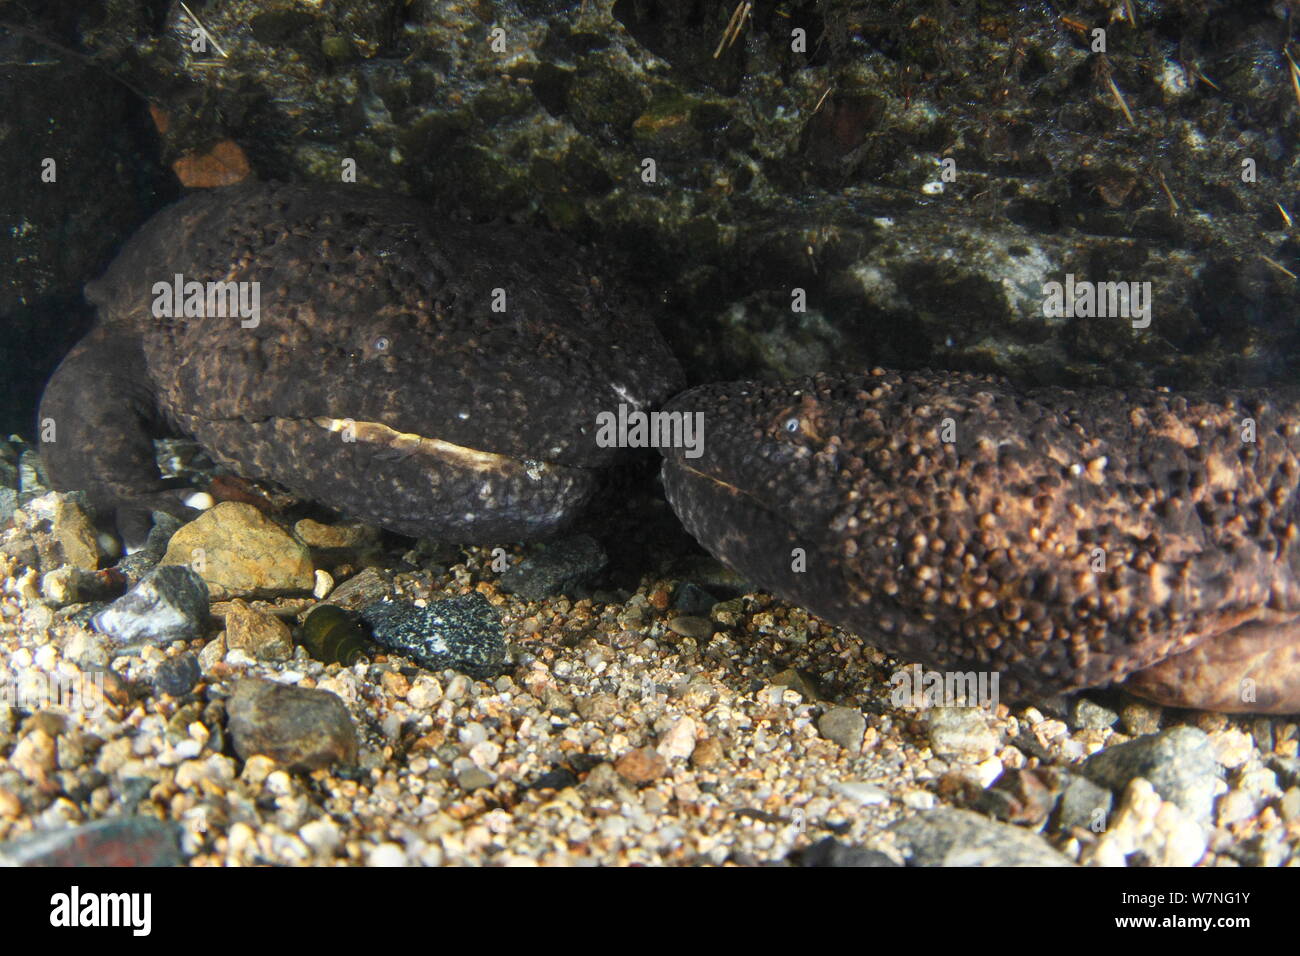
<point x="978" y="554"/>
<point x="372" y="311"/>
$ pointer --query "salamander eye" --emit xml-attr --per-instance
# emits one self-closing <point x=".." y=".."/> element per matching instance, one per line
<point x="381" y="344"/>
<point x="791" y="425"/>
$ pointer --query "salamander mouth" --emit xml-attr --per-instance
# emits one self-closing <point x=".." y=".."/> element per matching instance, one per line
<point x="409" y="483"/>
<point x="397" y="446"/>
<point x="735" y="525"/>
<point x="714" y="484"/>
<point x="707" y="485"/>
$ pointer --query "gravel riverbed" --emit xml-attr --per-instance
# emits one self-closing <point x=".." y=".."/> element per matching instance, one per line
<point x="684" y="721"/>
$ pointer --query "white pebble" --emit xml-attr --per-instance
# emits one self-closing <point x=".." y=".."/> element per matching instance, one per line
<point x="322" y="835"/>
<point x="386" y="854"/>
<point x="919" y="800"/>
<point x="679" y="742"/>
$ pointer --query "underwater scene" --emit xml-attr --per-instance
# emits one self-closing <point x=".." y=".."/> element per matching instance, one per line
<point x="791" y="433"/>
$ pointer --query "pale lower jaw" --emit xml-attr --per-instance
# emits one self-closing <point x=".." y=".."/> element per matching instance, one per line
<point x="406" y="444"/>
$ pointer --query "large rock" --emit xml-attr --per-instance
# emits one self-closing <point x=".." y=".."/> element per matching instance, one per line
<point x="118" y="841"/>
<point x="302" y="729"/>
<point x="814" y="167"/>
<point x="961" y="838"/>
<point x="1179" y="763"/>
<point x="240" y="552"/>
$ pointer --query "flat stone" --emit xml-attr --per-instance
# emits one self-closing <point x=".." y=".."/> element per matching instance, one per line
<point x="962" y="838"/>
<point x="463" y="633"/>
<point x="349" y="534"/>
<point x="831" y="852"/>
<point x="696" y="628"/>
<point x="558" y="568"/>
<point x="117" y="841"/>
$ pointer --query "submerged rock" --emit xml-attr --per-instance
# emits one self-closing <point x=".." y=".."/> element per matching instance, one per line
<point x="558" y="568"/>
<point x="177" y="676"/>
<point x="117" y="841"/>
<point x="241" y="553"/>
<point x="302" y="729"/>
<point x="961" y="838"/>
<point x="462" y="633"/>
<point x="170" y="604"/>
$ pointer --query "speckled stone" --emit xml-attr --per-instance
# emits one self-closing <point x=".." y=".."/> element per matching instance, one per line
<point x="461" y="633"/>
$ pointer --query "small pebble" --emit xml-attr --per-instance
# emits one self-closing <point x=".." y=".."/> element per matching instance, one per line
<point x="697" y="628"/>
<point x="962" y="732"/>
<point x="693" y="600"/>
<point x="845" y="726"/>
<point x="641" y="766"/>
<point x="177" y="676"/>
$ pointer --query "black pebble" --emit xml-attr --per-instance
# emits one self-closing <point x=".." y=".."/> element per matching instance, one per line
<point x="556" y="780"/>
<point x="177" y="675"/>
<point x="831" y="852"/>
<point x="694" y="600"/>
